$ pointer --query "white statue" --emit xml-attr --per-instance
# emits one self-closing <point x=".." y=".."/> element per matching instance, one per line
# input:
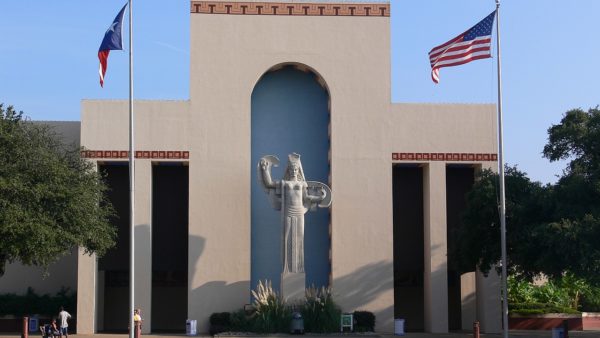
<point x="294" y="196"/>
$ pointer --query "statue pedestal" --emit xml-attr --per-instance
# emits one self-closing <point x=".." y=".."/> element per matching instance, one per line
<point x="293" y="285"/>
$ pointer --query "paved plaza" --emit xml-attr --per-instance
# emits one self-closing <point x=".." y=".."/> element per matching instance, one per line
<point x="512" y="334"/>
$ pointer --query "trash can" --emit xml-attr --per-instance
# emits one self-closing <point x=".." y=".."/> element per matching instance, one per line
<point x="190" y="327"/>
<point x="558" y="332"/>
<point x="297" y="323"/>
<point x="399" y="327"/>
<point x="33" y="323"/>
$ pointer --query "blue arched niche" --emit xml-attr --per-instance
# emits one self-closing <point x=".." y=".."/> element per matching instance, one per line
<point x="289" y="114"/>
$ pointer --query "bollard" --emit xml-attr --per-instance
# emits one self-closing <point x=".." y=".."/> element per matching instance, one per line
<point x="25" y="333"/>
<point x="565" y="328"/>
<point x="475" y="329"/>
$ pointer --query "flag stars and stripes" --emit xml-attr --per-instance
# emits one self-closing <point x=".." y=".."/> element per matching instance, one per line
<point x="474" y="44"/>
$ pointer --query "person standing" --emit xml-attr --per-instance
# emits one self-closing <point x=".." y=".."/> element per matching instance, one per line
<point x="63" y="317"/>
<point x="137" y="317"/>
<point x="137" y="321"/>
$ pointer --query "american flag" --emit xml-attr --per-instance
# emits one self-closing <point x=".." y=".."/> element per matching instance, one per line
<point x="474" y="44"/>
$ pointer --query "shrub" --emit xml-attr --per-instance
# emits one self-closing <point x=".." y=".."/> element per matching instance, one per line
<point x="321" y="314"/>
<point x="241" y="321"/>
<point x="272" y="314"/>
<point x="538" y="309"/>
<point x="519" y="291"/>
<point x="590" y="300"/>
<point x="578" y="289"/>
<point x="566" y="291"/>
<point x="219" y="322"/>
<point x="32" y="303"/>
<point x="364" y="321"/>
<point x="552" y="293"/>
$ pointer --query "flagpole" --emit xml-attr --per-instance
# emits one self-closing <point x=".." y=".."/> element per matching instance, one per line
<point x="131" y="184"/>
<point x="501" y="176"/>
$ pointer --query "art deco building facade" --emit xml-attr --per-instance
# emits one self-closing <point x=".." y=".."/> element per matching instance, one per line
<point x="275" y="78"/>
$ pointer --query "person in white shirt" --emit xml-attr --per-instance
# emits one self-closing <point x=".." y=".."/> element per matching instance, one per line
<point x="137" y="317"/>
<point x="63" y="316"/>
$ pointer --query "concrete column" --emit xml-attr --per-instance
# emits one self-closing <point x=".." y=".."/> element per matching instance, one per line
<point x="100" y="284"/>
<point x="468" y="300"/>
<point x="87" y="310"/>
<point x="143" y="241"/>
<point x="86" y="292"/>
<point x="435" y="259"/>
<point x="489" y="306"/>
<point x="489" y="303"/>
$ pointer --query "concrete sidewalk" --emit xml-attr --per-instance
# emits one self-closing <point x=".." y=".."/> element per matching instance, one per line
<point x="515" y="334"/>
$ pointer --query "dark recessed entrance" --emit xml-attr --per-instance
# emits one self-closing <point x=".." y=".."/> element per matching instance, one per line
<point x="459" y="180"/>
<point x="408" y="246"/>
<point x="169" y="247"/>
<point x="113" y="268"/>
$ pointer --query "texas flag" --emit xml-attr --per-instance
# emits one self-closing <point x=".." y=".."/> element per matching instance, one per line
<point x="112" y="41"/>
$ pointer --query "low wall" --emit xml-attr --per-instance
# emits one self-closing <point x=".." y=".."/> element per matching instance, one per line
<point x="577" y="322"/>
<point x="591" y="320"/>
<point x="544" y="322"/>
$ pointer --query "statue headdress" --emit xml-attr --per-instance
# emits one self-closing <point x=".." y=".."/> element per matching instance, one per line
<point x="294" y="159"/>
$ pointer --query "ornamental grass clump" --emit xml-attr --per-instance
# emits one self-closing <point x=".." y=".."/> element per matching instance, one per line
<point x="272" y="315"/>
<point x="320" y="313"/>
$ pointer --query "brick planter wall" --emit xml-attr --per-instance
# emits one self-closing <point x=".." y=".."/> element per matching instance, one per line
<point x="591" y="320"/>
<point x="545" y="322"/>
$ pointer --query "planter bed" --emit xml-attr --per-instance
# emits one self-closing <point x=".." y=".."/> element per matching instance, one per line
<point x="545" y="321"/>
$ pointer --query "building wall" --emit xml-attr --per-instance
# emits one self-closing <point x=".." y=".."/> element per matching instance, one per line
<point x="442" y="128"/>
<point x="368" y="134"/>
<point x="159" y="125"/>
<point x="434" y="136"/>
<point x="162" y="129"/>
<point x="229" y="53"/>
<point x="18" y="277"/>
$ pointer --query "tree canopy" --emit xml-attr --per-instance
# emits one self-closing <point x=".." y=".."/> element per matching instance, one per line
<point x="551" y="229"/>
<point x="51" y="200"/>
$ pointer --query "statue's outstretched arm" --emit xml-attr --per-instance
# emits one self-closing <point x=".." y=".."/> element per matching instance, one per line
<point x="264" y="171"/>
<point x="272" y="188"/>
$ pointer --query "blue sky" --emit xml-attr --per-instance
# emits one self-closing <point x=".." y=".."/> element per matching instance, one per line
<point x="550" y="49"/>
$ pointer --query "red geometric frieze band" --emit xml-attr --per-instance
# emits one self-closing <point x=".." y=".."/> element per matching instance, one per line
<point x="290" y="8"/>
<point x="452" y="157"/>
<point x="141" y="154"/>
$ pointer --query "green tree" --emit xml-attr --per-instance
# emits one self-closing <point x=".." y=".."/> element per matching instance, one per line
<point x="577" y="137"/>
<point x="51" y="199"/>
<point x="576" y="219"/>
<point x="551" y="229"/>
<point x="527" y="205"/>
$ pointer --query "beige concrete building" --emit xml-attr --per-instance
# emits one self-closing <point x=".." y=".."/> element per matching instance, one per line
<point x="398" y="173"/>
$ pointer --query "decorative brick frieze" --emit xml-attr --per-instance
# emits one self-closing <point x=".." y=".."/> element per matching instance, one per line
<point x="449" y="157"/>
<point x="141" y="154"/>
<point x="291" y="8"/>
